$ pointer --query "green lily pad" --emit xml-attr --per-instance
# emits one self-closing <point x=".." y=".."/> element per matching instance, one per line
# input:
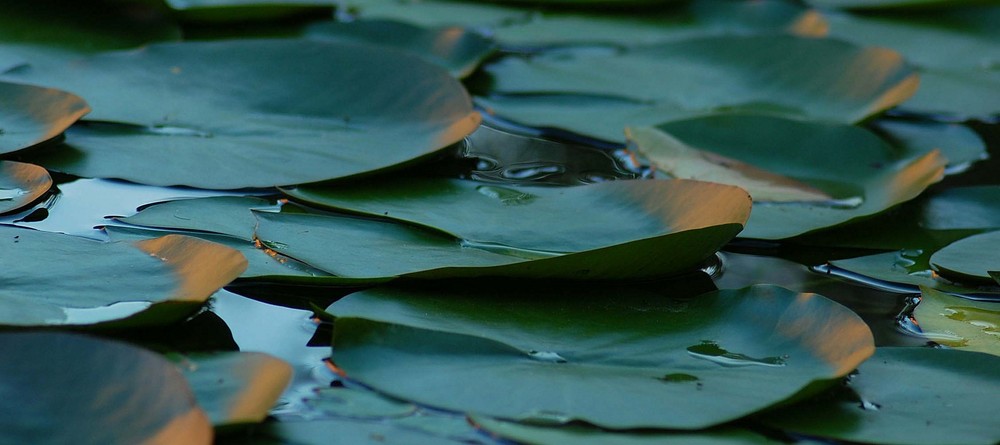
<point x="49" y="33"/>
<point x="151" y="282"/>
<point x="31" y="115"/>
<point x="646" y="85"/>
<point x="244" y="10"/>
<point x="969" y="258"/>
<point x="254" y="113"/>
<point x="960" y="144"/>
<point x="804" y="176"/>
<point x="911" y="396"/>
<point x="959" y="322"/>
<point x="902" y="271"/>
<point x="235" y="387"/>
<point x="893" y="4"/>
<point x="558" y="354"/>
<point x="432" y="13"/>
<point x="523" y="218"/>
<point x="21" y="184"/>
<point x="584" y="435"/>
<point x="349" y="432"/>
<point x="357" y="404"/>
<point x="456" y="49"/>
<point x="105" y="397"/>
<point x="955" y="50"/>
<point x="223" y="215"/>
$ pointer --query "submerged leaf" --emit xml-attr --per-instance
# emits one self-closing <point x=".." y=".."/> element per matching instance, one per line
<point x="110" y="393"/>
<point x="254" y="113"/>
<point x="959" y="322"/>
<point x="555" y="354"/>
<point x="906" y="396"/>
<point x="21" y="184"/>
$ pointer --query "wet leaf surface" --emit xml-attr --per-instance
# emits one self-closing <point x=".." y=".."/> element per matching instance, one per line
<point x="21" y="184"/>
<point x="959" y="322"/>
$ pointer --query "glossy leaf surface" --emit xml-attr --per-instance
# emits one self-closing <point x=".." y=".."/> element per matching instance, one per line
<point x="679" y="360"/>
<point x="21" y="184"/>
<point x="255" y="113"/>
<point x="600" y="93"/>
<point x="912" y="396"/>
<point x="235" y="388"/>
<point x="959" y="322"/>
<point x="150" y="282"/>
<point x="105" y="397"/>
<point x="30" y="115"/>
<point x="969" y="258"/>
<point x="805" y="161"/>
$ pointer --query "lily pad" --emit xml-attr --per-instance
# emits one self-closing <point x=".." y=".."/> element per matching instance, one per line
<point x="31" y="115"/>
<point x="151" y="282"/>
<point x="431" y="13"/>
<point x="106" y="396"/>
<point x="911" y="396"/>
<point x="960" y="144"/>
<point x="970" y="258"/>
<point x="599" y="94"/>
<point x="558" y="354"/>
<point x="584" y="435"/>
<point x="235" y="387"/>
<point x="523" y="218"/>
<point x="48" y="33"/>
<point x="831" y="174"/>
<point x="21" y="184"/>
<point x="903" y="271"/>
<point x="892" y="4"/>
<point x="959" y="322"/>
<point x="357" y="404"/>
<point x="244" y="10"/>
<point x="255" y="113"/>
<point x="456" y="49"/>
<point x="955" y="50"/>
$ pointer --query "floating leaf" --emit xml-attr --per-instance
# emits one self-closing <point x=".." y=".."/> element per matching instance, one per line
<point x="599" y="94"/>
<point x="860" y="174"/>
<point x="21" y="184"/>
<point x="357" y="404"/>
<point x="31" y="115"/>
<point x="906" y="396"/>
<point x="255" y="113"/>
<point x="969" y="258"/>
<point x="235" y="388"/>
<point x="150" y="282"/>
<point x="557" y="354"/>
<point x="49" y="33"/>
<point x="955" y="50"/>
<point x="958" y="143"/>
<point x="111" y="393"/>
<point x="891" y="4"/>
<point x="902" y="271"/>
<point x="523" y="218"/>
<point x="584" y="435"/>
<point x="959" y="322"/>
<point x="458" y="50"/>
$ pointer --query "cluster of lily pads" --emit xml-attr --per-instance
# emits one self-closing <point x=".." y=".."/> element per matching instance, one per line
<point x="387" y="164"/>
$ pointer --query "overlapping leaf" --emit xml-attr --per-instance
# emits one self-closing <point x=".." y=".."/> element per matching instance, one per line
<point x="678" y="359"/>
<point x="255" y="113"/>
<point x="60" y="280"/>
<point x="969" y="259"/>
<point x="804" y="176"/>
<point x="959" y="322"/>
<point x="113" y="393"/>
<point x="600" y="94"/>
<point x="21" y="184"/>
<point x="31" y="115"/>
<point x="911" y="396"/>
<point x="582" y="435"/>
<point x="235" y="388"/>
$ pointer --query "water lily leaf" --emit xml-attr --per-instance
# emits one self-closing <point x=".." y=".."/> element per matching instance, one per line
<point x="833" y="173"/>
<point x="891" y="4"/>
<point x="105" y="397"/>
<point x="646" y="85"/>
<point x="456" y="49"/>
<point x="557" y="354"/>
<point x="244" y="10"/>
<point x="523" y="28"/>
<point x="349" y="432"/>
<point x="959" y="322"/>
<point x="153" y="282"/>
<point x="961" y="145"/>
<point x="21" y="184"/>
<point x="49" y="33"/>
<point x="969" y="258"/>
<point x="913" y="396"/>
<point x="223" y="215"/>
<point x="584" y="435"/>
<point x="903" y="271"/>
<point x="235" y="387"/>
<point x="31" y="115"/>
<point x="519" y="217"/>
<point x="255" y="113"/>
<point x="357" y="404"/>
<point x="955" y="50"/>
